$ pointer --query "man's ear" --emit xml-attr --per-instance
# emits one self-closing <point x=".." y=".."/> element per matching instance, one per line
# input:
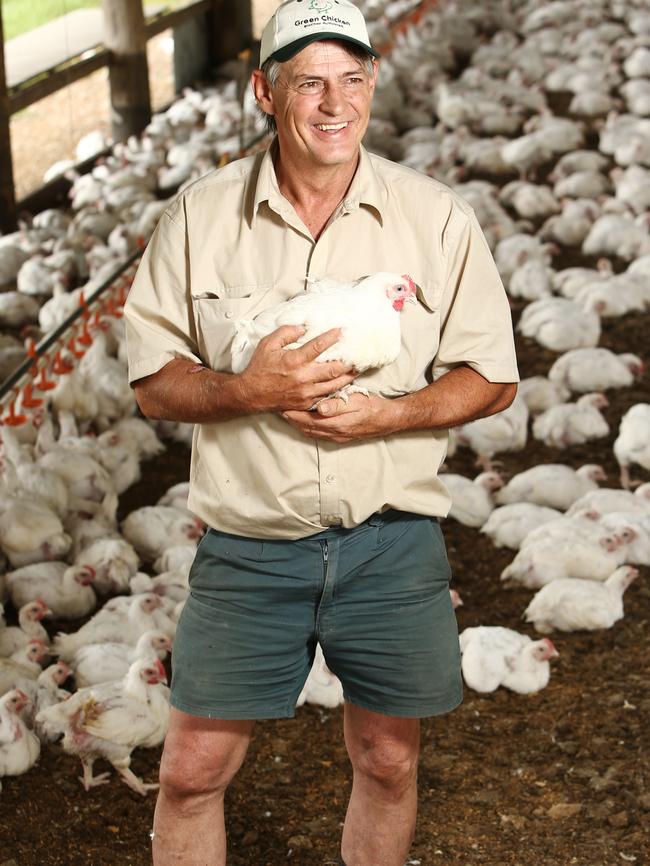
<point x="262" y="91"/>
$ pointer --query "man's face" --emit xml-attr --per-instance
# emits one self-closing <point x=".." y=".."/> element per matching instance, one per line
<point x="321" y="103"/>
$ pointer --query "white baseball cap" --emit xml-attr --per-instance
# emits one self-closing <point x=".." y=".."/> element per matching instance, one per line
<point x="296" y="23"/>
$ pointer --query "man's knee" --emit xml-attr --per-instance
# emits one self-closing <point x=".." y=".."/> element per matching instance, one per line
<point x="198" y="763"/>
<point x="390" y="764"/>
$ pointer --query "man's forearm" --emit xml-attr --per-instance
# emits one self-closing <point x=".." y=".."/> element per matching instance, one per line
<point x="461" y="395"/>
<point x="185" y="391"/>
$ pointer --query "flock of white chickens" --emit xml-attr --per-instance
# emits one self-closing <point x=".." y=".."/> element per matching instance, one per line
<point x="577" y="543"/>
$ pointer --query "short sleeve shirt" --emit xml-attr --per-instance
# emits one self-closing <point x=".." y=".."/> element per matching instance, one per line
<point x="230" y="246"/>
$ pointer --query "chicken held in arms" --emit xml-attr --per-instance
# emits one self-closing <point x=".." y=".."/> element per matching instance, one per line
<point x="367" y="311"/>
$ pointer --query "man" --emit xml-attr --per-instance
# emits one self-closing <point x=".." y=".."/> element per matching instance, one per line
<point x="323" y="523"/>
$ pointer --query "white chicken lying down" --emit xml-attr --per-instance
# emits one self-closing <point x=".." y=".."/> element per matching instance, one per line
<point x="102" y="662"/>
<point x="322" y="687"/>
<point x="493" y="656"/>
<point x="154" y="528"/>
<point x="572" y="423"/>
<point x="553" y="485"/>
<point x="66" y="589"/>
<point x="632" y="445"/>
<point x="548" y="559"/>
<point x="367" y="311"/>
<point x="607" y="499"/>
<point x="122" y="620"/>
<point x="539" y="393"/>
<point x="595" y="369"/>
<point x="472" y="500"/>
<point x="25" y="663"/>
<point x="559" y="324"/>
<point x="572" y="605"/>
<point x="114" y="561"/>
<point x="19" y="747"/>
<point x="509" y="525"/>
<point x="109" y="720"/>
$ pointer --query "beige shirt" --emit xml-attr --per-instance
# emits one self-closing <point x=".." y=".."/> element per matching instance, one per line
<point x="230" y="246"/>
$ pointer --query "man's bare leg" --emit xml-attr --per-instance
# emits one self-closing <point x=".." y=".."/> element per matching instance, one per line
<point x="200" y="758"/>
<point x="380" y="820"/>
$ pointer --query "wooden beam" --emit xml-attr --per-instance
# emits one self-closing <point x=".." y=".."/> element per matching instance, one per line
<point x="231" y="26"/>
<point x="7" y="191"/>
<point x="165" y="20"/>
<point x="126" y="39"/>
<point x="25" y="95"/>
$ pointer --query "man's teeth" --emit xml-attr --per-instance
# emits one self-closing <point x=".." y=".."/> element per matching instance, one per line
<point x="327" y="126"/>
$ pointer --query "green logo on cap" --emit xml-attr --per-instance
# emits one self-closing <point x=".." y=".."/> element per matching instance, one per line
<point x="321" y="5"/>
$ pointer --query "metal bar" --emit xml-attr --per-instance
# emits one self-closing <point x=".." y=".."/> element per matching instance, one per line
<point x="54" y="336"/>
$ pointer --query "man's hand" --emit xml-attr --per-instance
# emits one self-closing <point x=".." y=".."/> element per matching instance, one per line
<point x="337" y="421"/>
<point x="279" y="379"/>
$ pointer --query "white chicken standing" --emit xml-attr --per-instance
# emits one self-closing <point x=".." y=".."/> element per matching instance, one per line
<point x="572" y="605"/>
<point x="494" y="656"/>
<point x="109" y="720"/>
<point x="367" y="311"/>
<point x="19" y="747"/>
<point x="505" y="431"/>
<point x="632" y="445"/>
<point x="509" y="525"/>
<point x="29" y="627"/>
<point x="153" y="528"/>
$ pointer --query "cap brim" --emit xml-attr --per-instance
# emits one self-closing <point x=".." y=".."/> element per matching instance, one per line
<point x="289" y="51"/>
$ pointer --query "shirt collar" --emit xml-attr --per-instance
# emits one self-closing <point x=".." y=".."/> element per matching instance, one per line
<point x="365" y="189"/>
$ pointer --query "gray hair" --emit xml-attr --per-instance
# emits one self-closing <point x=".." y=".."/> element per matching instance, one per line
<point x="272" y="69"/>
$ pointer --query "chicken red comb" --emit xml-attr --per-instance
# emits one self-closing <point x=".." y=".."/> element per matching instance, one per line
<point x="92" y="570"/>
<point x="410" y="282"/>
<point x="161" y="669"/>
<point x="23" y="697"/>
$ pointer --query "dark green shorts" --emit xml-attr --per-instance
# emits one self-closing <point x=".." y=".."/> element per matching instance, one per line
<point x="375" y="597"/>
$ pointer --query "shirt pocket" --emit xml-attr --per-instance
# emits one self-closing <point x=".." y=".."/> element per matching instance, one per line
<point x="420" y="330"/>
<point x="217" y="312"/>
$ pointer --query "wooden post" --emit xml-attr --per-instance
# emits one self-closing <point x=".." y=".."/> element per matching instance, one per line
<point x="7" y="191"/>
<point x="125" y="38"/>
<point x="231" y="29"/>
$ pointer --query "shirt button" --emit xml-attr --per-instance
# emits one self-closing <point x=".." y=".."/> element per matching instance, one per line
<point x="229" y="315"/>
<point x="330" y="478"/>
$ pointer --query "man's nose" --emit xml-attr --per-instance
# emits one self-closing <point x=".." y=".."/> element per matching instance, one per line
<point x="333" y="101"/>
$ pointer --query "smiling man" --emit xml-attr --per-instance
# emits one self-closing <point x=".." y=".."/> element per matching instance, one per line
<point x="323" y="521"/>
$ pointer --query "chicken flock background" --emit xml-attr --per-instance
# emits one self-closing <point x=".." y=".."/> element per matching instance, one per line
<point x="538" y="115"/>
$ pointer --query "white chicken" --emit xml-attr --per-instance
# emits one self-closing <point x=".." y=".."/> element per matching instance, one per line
<point x="367" y="311"/>
<point x="29" y="627"/>
<point x="67" y="590"/>
<point x="24" y="663"/>
<point x="547" y="559"/>
<point x="322" y="687"/>
<point x="607" y="499"/>
<point x="44" y="691"/>
<point x="509" y="525"/>
<point x="572" y="423"/>
<point x="102" y="662"/>
<point x="494" y="656"/>
<point x="471" y="500"/>
<point x="31" y="532"/>
<point x="177" y="558"/>
<point x="19" y="747"/>
<point x="539" y="393"/>
<point x="114" y="562"/>
<point x="572" y="605"/>
<point x="553" y="485"/>
<point x="154" y="528"/>
<point x="595" y="369"/>
<point x="505" y="431"/>
<point x="109" y="720"/>
<point x="122" y="620"/>
<point x="632" y="445"/>
<point x="559" y="324"/>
